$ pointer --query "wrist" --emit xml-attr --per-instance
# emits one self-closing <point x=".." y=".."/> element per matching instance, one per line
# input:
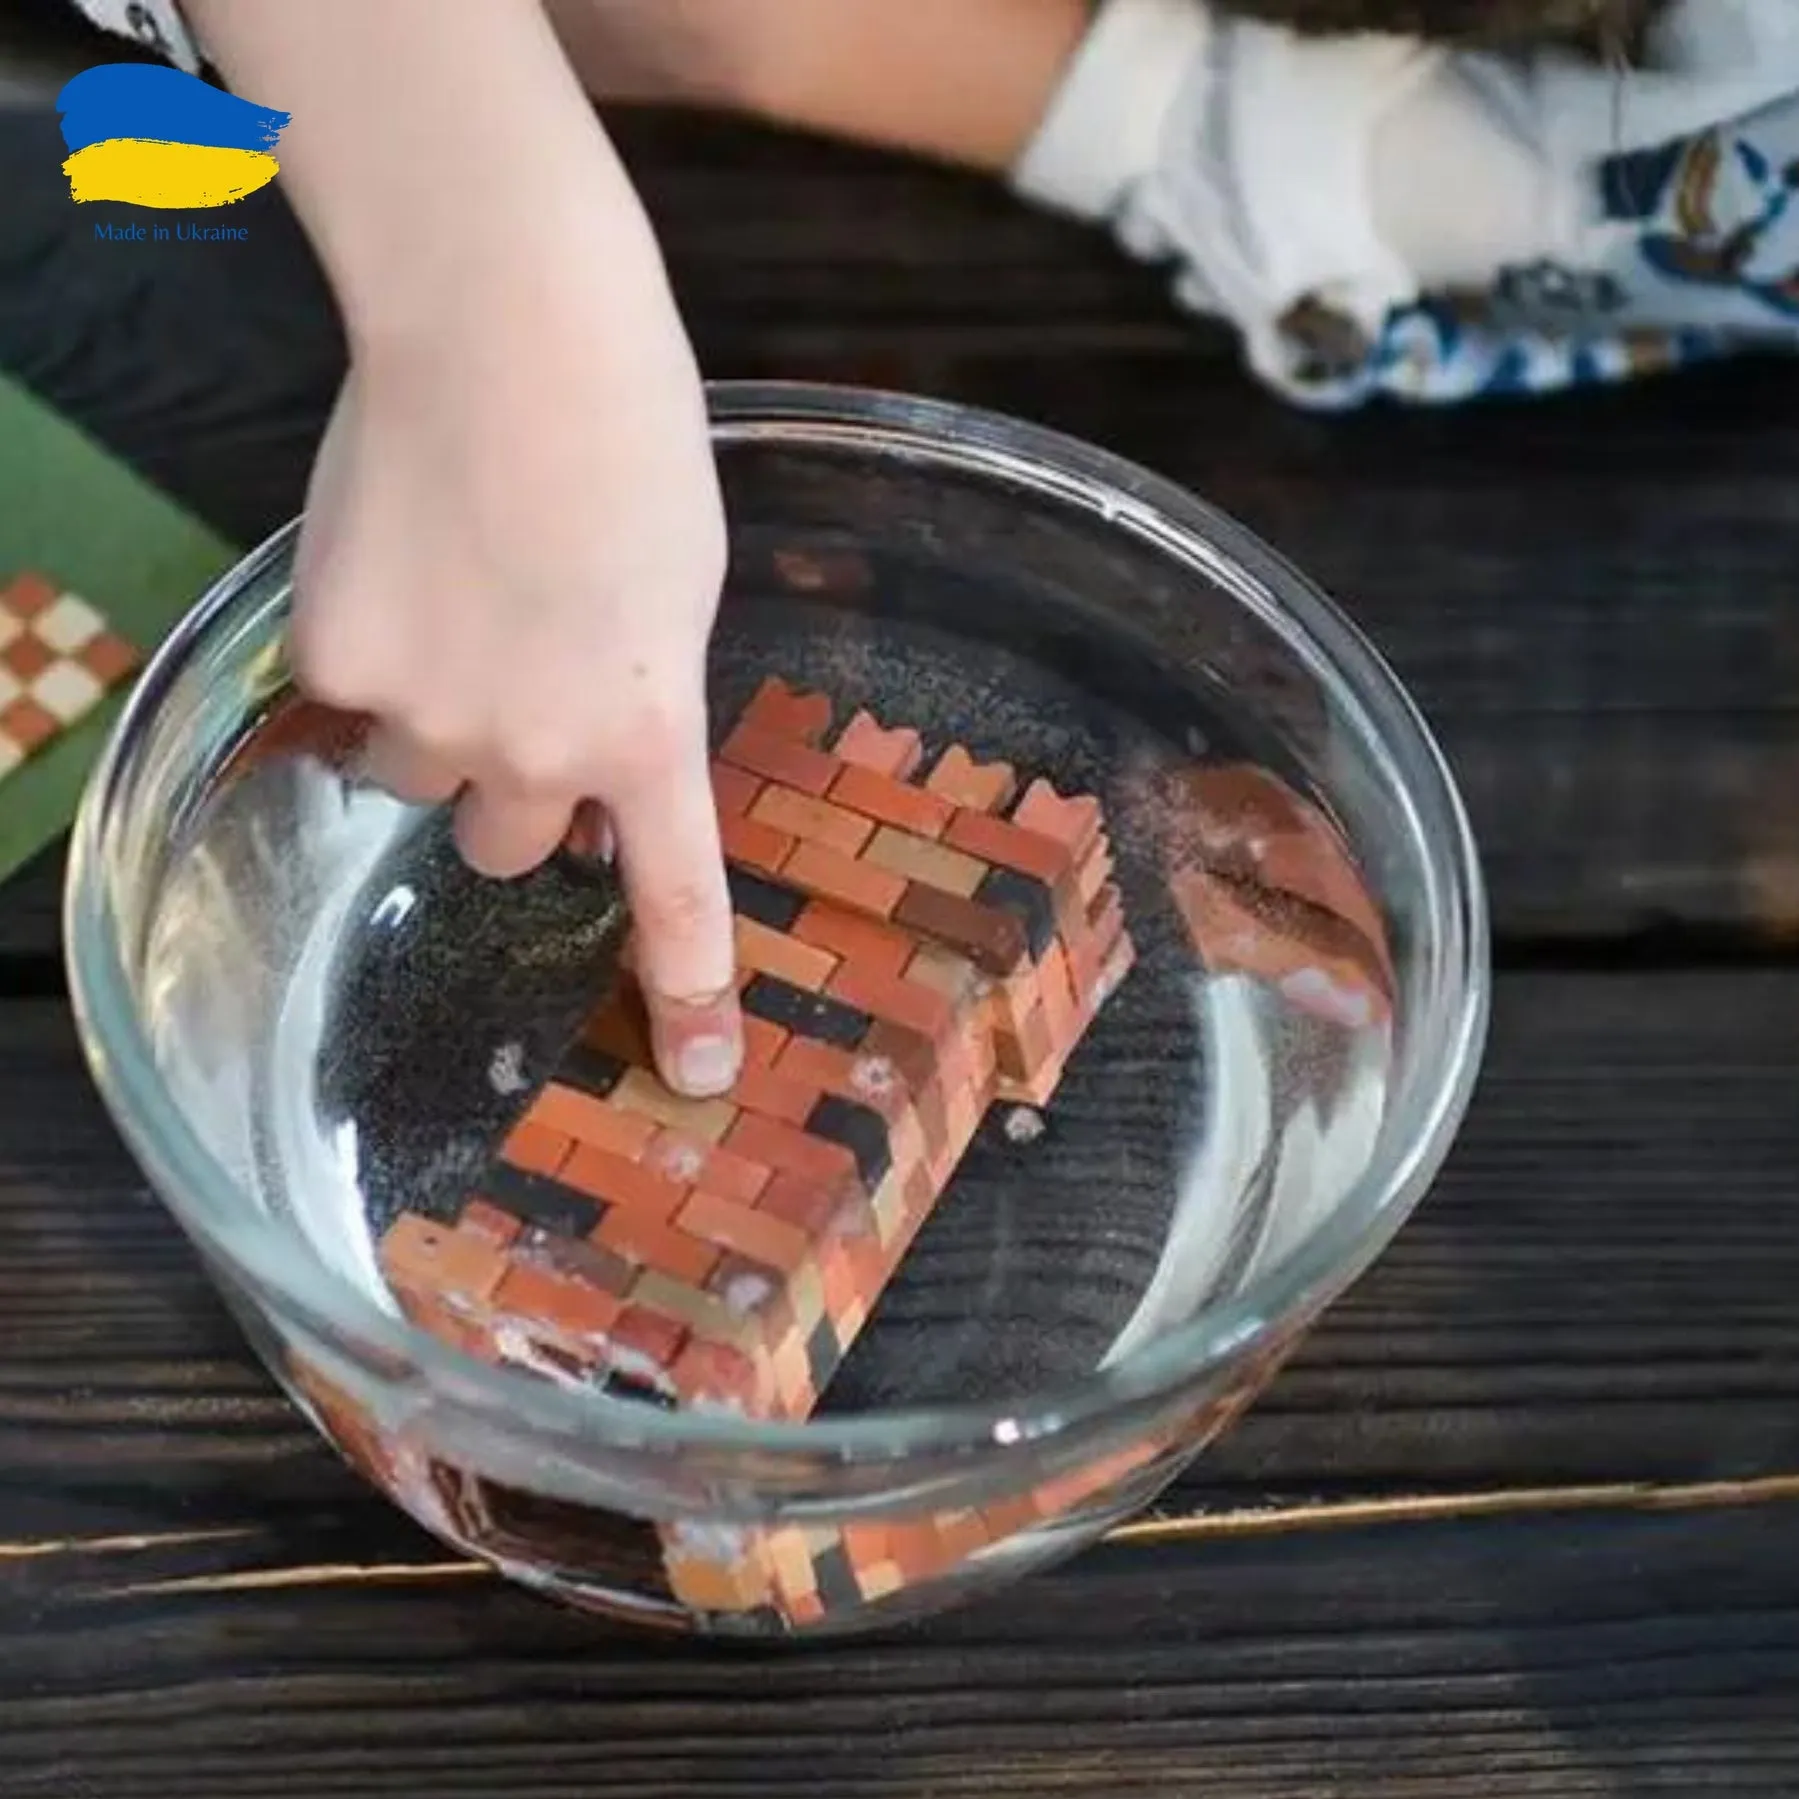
<point x="572" y="245"/>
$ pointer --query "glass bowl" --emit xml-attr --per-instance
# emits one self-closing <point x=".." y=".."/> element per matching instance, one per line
<point x="1268" y="937"/>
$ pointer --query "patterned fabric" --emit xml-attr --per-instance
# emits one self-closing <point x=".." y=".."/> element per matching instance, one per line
<point x="156" y="24"/>
<point x="1306" y="190"/>
<point x="1701" y="260"/>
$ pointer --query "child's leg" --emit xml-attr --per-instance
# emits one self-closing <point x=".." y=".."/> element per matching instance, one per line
<point x="963" y="81"/>
<point x="1323" y="194"/>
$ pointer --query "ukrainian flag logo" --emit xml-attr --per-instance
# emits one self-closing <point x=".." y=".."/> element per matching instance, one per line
<point x="154" y="136"/>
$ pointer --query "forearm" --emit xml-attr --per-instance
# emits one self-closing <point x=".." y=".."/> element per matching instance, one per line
<point x="430" y="164"/>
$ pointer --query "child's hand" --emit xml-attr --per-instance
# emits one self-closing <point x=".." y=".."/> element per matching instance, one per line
<point x="513" y="543"/>
<point x="511" y="558"/>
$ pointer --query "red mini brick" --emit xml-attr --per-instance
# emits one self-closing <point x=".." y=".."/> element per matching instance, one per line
<point x="981" y="786"/>
<point x="734" y="1177"/>
<point x="617" y="1182"/>
<point x="427" y="1257"/>
<point x="785" y="711"/>
<point x="659" y="1246"/>
<point x="770" y="952"/>
<point x="841" y="1274"/>
<point x="961" y="1534"/>
<point x="780" y="1146"/>
<point x="866" y="743"/>
<point x="1094" y="873"/>
<point x="900" y="1002"/>
<point x="537" y="1295"/>
<point x="926" y="861"/>
<point x="534" y="1147"/>
<point x="817" y="1067"/>
<point x="1106" y="922"/>
<point x="762" y="1041"/>
<point x="567" y="1112"/>
<point x="999" y="841"/>
<point x="891" y="802"/>
<point x="1075" y="822"/>
<point x="773" y="1094"/>
<point x="809" y="1205"/>
<point x="692" y="1164"/>
<point x="746" y="1229"/>
<point x="479" y="1219"/>
<point x="870" y="945"/>
<point x="781" y="759"/>
<point x="1061" y="1009"/>
<point x="754" y="844"/>
<point x="733" y="790"/>
<point x="643" y="1092"/>
<point x="675" y="1156"/>
<point x="812" y="820"/>
<point x="718" y="1373"/>
<point x="824" y="874"/>
<point x="912" y="1054"/>
<point x="1026" y="1047"/>
<point x="645" y="1333"/>
<point x="867" y="1544"/>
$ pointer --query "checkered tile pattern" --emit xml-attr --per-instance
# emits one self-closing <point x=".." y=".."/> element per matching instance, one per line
<point x="913" y="945"/>
<point x="58" y="660"/>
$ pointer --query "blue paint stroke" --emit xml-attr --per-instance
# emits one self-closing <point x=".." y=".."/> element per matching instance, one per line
<point x="143" y="100"/>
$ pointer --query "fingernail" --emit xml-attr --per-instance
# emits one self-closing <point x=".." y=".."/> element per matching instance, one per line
<point x="705" y="1066"/>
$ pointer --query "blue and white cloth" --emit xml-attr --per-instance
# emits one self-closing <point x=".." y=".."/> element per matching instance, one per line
<point x="1633" y="221"/>
<point x="1603" y="223"/>
<point x="156" y="24"/>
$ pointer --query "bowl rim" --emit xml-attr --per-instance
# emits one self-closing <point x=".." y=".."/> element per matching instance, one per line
<point x="257" y="1250"/>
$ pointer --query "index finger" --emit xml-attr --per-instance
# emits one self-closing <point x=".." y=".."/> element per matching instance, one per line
<point x="672" y="862"/>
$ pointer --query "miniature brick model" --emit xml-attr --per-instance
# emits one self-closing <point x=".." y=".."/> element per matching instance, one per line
<point x="913" y="945"/>
<point x="57" y="662"/>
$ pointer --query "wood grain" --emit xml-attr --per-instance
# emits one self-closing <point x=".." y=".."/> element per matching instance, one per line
<point x="1521" y="1520"/>
<point x="1639" y="1656"/>
<point x="1599" y="1292"/>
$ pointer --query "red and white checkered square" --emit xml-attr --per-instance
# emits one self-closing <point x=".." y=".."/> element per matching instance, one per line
<point x="58" y="660"/>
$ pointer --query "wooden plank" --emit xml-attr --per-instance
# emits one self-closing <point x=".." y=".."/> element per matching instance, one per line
<point x="1599" y="1292"/>
<point x="1537" y="1660"/>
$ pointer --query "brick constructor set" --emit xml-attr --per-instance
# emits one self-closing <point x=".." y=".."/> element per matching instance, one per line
<point x="914" y="944"/>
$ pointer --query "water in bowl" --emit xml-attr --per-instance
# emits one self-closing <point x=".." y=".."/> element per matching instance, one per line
<point x="388" y="1008"/>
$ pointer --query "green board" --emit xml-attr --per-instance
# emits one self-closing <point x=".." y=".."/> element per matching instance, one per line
<point x="80" y="517"/>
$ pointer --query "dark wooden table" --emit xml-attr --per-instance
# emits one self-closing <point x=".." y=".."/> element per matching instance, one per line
<point x="1523" y="1519"/>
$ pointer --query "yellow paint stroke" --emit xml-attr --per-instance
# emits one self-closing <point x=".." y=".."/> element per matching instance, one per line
<point x="1254" y="1521"/>
<point x="1425" y="1508"/>
<point x="323" y="1574"/>
<point x="143" y="172"/>
<point x="45" y="1547"/>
